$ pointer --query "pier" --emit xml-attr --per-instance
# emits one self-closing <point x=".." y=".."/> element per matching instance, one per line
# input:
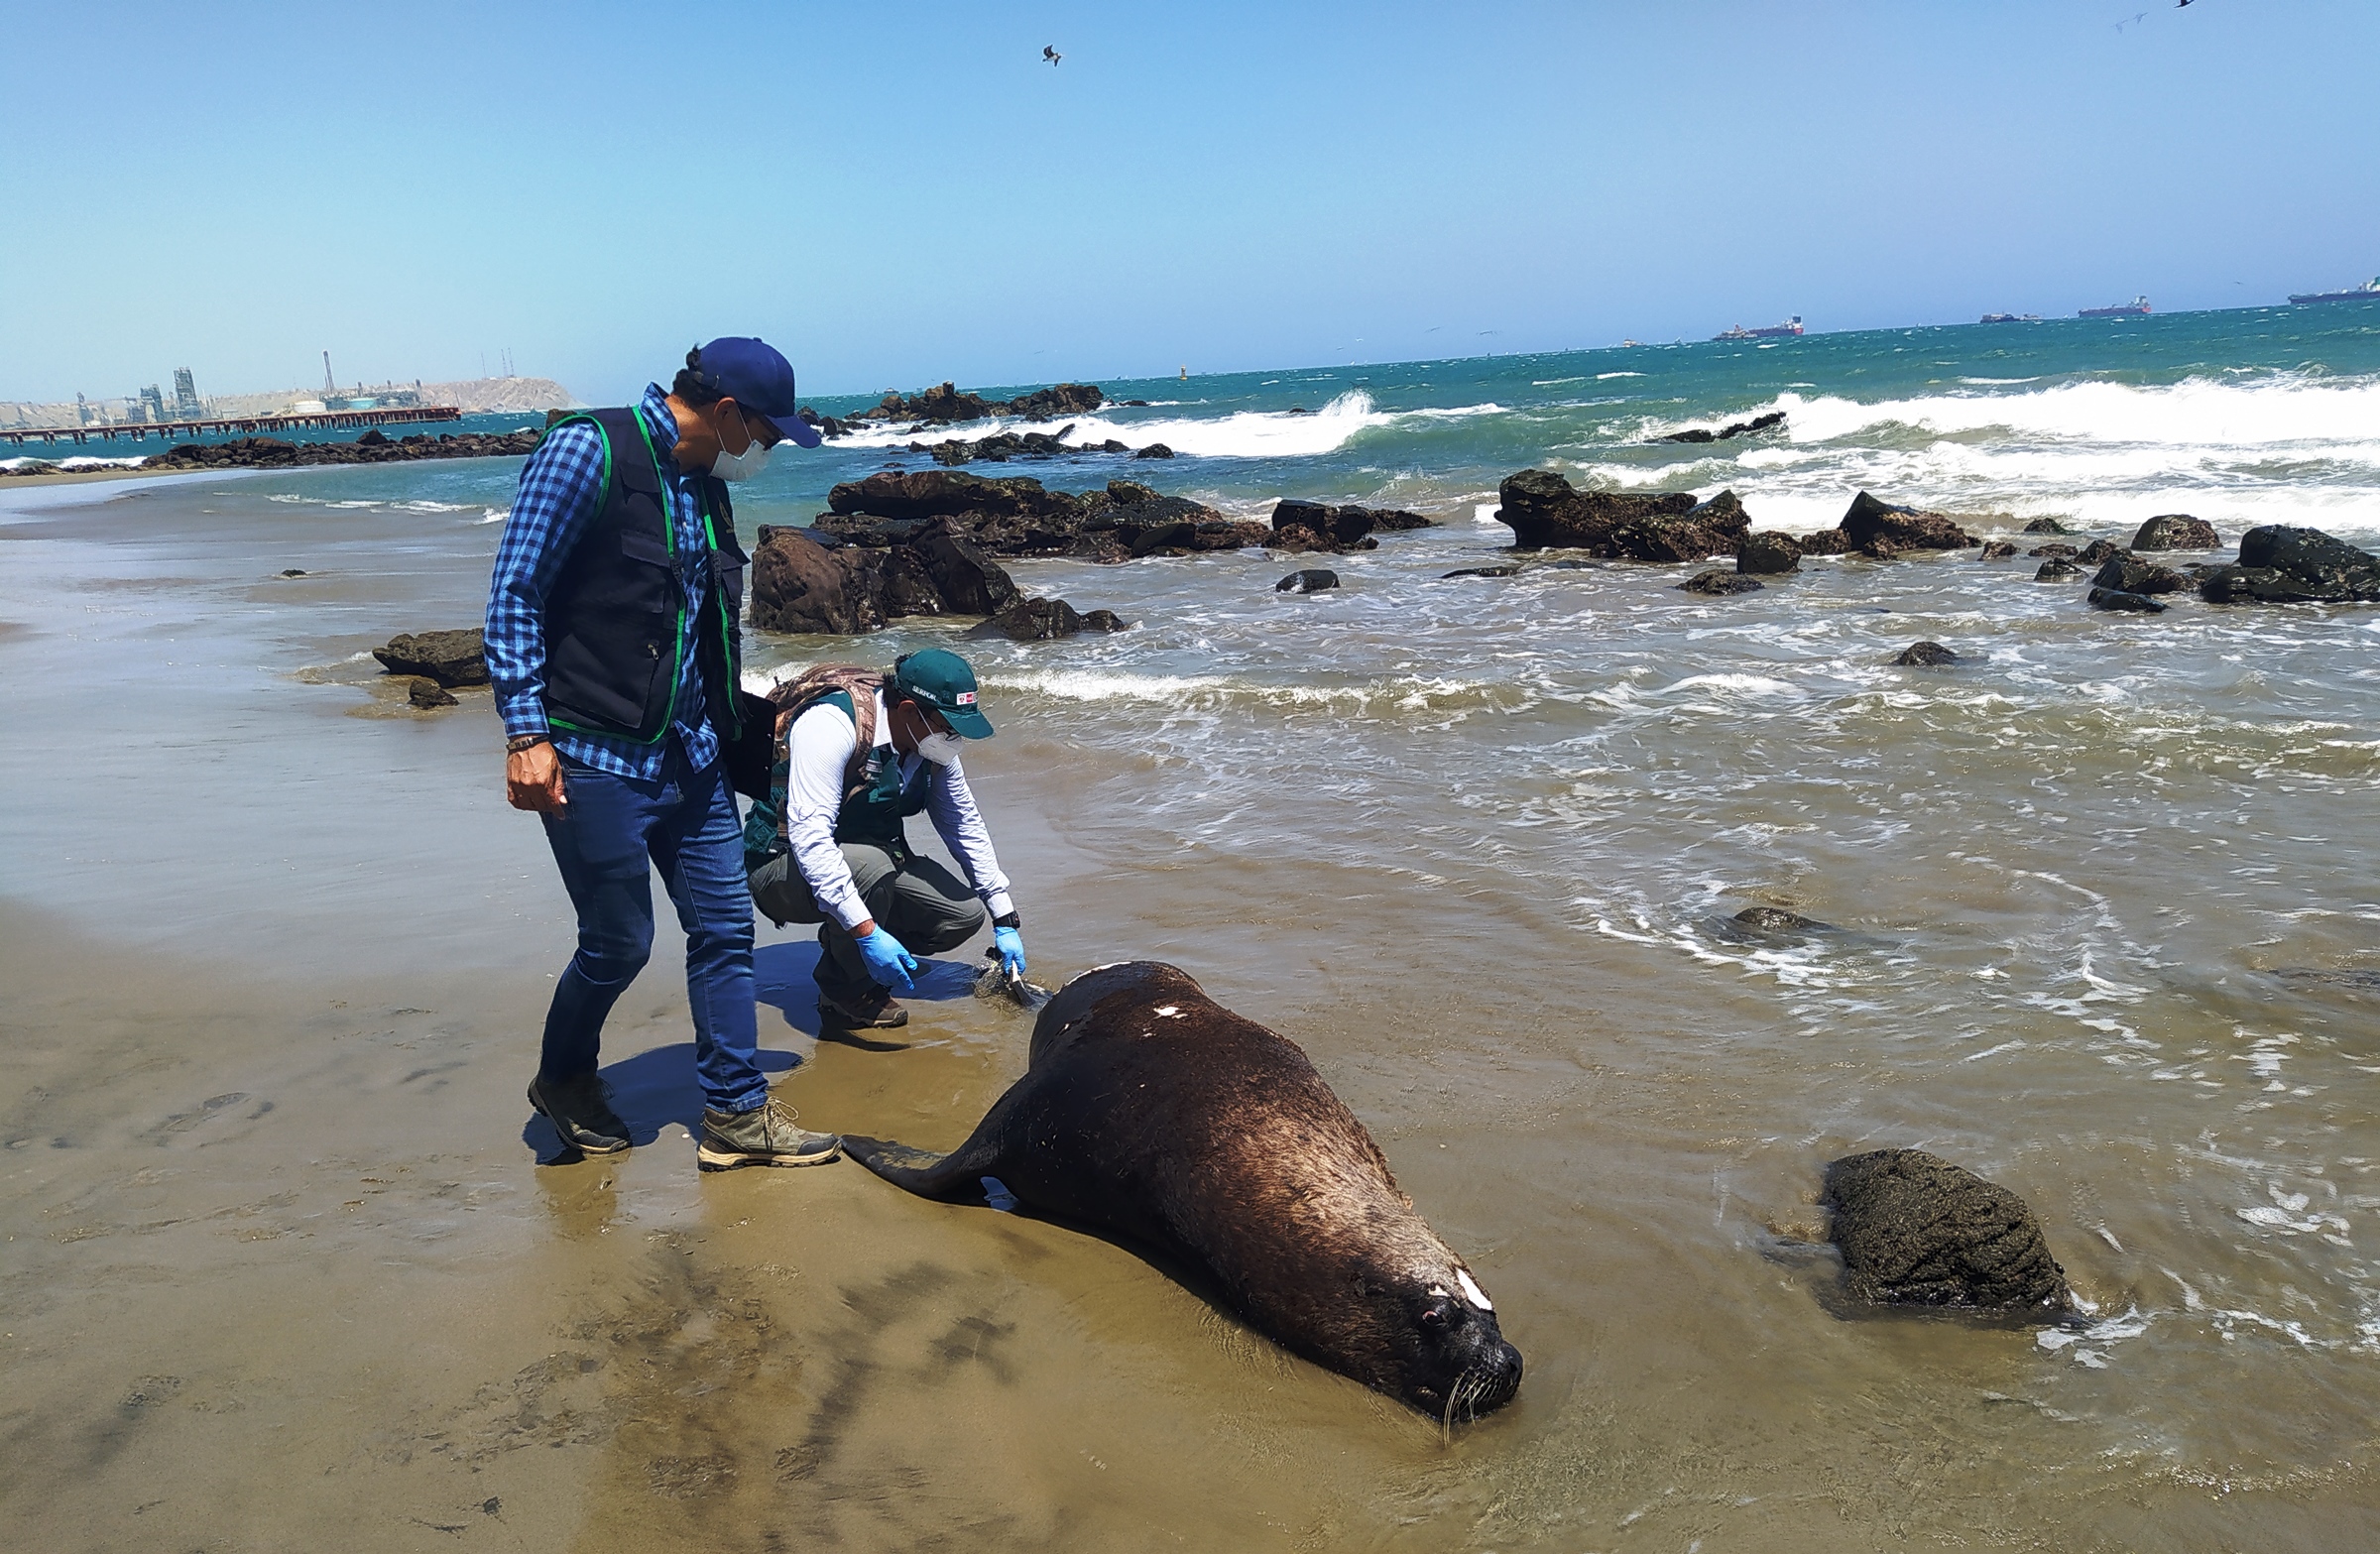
<point x="248" y="425"/>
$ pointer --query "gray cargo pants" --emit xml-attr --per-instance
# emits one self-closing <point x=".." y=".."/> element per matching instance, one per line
<point x="921" y="903"/>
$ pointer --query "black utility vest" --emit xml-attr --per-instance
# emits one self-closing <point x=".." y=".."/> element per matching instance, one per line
<point x="615" y="619"/>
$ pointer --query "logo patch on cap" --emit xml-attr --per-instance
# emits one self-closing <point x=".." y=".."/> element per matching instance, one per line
<point x="965" y="698"/>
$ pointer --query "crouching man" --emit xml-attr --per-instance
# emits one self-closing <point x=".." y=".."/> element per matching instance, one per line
<point x="859" y="752"/>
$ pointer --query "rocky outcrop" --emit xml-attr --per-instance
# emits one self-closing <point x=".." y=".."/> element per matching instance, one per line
<point x="1996" y="550"/>
<point x="1155" y="450"/>
<point x="1016" y="516"/>
<point x="1715" y="582"/>
<point x="450" y="658"/>
<point x="2176" y="531"/>
<point x="1480" y="571"/>
<point x="1924" y="654"/>
<point x="429" y="696"/>
<point x="943" y="405"/>
<point x="2128" y="573"/>
<point x="2283" y="565"/>
<point x="1825" y="542"/>
<point x="1003" y="447"/>
<point x="1772" y="419"/>
<point x="2045" y="526"/>
<point x="1914" y="1230"/>
<point x="1314" y="526"/>
<point x="1880" y="530"/>
<point x="1545" y="511"/>
<point x="804" y="586"/>
<point x="2062" y="551"/>
<point x="374" y="448"/>
<point x="1767" y="552"/>
<point x="2057" y="569"/>
<point x="2097" y="551"/>
<point x="1312" y="580"/>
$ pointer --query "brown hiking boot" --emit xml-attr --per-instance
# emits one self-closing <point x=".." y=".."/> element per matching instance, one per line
<point x="767" y="1134"/>
<point x="871" y="1009"/>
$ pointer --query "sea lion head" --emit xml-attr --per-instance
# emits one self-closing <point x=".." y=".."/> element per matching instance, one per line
<point x="1424" y="1330"/>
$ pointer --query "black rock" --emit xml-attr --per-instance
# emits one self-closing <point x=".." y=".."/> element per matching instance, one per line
<point x="1914" y="1230"/>
<point x="2117" y="599"/>
<point x="2127" y="573"/>
<point x="1482" y="571"/>
<point x="1312" y="580"/>
<point x="2061" y="551"/>
<point x="1767" y="552"/>
<point x="1104" y="620"/>
<point x="1032" y="620"/>
<point x="373" y="439"/>
<point x="1715" y="582"/>
<point x="2047" y="526"/>
<point x="2280" y="565"/>
<point x="1926" y="654"/>
<point x="2098" y="550"/>
<point x="1997" y="550"/>
<point x="2057" y="569"/>
<point x="1882" y="529"/>
<point x="1697" y="434"/>
<point x="1155" y="450"/>
<point x="429" y="694"/>
<point x="292" y="571"/>
<point x="2176" y="531"/>
<point x="451" y="657"/>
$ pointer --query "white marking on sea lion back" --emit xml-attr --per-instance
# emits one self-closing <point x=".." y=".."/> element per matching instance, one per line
<point x="1471" y="1290"/>
<point x="1170" y="1011"/>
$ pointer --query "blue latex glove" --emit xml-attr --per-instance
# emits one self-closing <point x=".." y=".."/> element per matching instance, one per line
<point x="888" y="960"/>
<point x="1012" y="950"/>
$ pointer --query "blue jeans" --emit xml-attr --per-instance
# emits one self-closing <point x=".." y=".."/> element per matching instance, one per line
<point x="606" y="839"/>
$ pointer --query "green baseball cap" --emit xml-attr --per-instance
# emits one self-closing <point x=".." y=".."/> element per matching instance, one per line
<point x="945" y="682"/>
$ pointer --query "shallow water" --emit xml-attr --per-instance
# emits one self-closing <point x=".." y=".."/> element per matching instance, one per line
<point x="1472" y="843"/>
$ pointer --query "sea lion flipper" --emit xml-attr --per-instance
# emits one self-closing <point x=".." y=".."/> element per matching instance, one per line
<point x="953" y="1177"/>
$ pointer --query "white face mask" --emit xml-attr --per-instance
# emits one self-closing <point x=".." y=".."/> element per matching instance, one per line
<point x="739" y="466"/>
<point x="940" y="748"/>
<point x="744" y="465"/>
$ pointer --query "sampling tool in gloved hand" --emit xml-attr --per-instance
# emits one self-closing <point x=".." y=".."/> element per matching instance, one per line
<point x="1005" y="979"/>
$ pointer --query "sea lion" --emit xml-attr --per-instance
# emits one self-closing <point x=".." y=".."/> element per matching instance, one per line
<point x="1152" y="1111"/>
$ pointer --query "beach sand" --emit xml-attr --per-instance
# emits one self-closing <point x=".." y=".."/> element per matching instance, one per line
<point x="284" y="1268"/>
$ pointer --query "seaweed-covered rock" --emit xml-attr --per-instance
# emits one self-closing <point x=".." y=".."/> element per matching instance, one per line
<point x="1924" y="654"/>
<point x="2045" y="526"/>
<point x="1882" y="529"/>
<point x="1915" y="1230"/>
<point x="1768" y="553"/>
<point x="2176" y="531"/>
<point x="2282" y="565"/>
<point x="450" y="658"/>
<point x="1776" y="919"/>
<point x="1715" y="582"/>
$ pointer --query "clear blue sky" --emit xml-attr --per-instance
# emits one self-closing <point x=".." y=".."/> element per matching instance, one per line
<point x="898" y="194"/>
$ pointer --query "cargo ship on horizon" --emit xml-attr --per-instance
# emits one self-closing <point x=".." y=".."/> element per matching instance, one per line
<point x="2368" y="292"/>
<point x="2138" y="307"/>
<point x="1780" y="331"/>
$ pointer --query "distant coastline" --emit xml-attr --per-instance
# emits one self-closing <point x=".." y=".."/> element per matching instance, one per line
<point x="471" y="396"/>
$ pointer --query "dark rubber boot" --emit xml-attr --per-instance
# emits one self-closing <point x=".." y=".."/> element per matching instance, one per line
<point x="580" y="1112"/>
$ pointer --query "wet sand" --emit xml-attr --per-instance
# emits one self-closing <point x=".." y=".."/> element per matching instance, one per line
<point x="284" y="1268"/>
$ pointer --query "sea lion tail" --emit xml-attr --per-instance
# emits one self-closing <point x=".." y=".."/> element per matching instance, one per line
<point x="953" y="1177"/>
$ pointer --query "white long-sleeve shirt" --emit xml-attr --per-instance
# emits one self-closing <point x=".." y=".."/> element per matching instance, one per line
<point x="820" y="747"/>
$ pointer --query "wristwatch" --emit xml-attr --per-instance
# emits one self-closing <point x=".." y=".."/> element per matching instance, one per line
<point x="521" y="742"/>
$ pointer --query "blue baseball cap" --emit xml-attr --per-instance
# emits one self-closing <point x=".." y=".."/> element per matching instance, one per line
<point x="756" y="376"/>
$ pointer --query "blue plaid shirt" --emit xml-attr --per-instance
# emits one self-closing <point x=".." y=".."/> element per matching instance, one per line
<point x="560" y="490"/>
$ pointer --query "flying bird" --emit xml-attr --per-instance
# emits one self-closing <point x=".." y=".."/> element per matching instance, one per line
<point x="1050" y="52"/>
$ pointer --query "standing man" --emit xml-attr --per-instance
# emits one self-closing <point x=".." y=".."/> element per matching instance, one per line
<point x="614" y="640"/>
<point x="859" y="752"/>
